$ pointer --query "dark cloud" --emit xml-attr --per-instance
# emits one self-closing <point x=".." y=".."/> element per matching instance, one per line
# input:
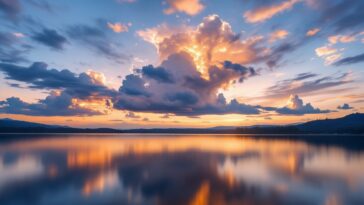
<point x="52" y="105"/>
<point x="133" y="85"/>
<point x="242" y="70"/>
<point x="159" y="74"/>
<point x="279" y="51"/>
<point x="303" y="76"/>
<point x="305" y="83"/>
<point x="11" y="50"/>
<point x="342" y="15"/>
<point x="51" y="38"/>
<point x="39" y="76"/>
<point x="95" y="38"/>
<point x="296" y="106"/>
<point x="189" y="93"/>
<point x="350" y="60"/>
<point x="10" y="9"/>
<point x="71" y="89"/>
<point x="345" y="106"/>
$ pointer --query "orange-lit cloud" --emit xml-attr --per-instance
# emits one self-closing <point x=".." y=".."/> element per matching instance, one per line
<point x="190" y="7"/>
<point x="325" y="50"/>
<point x="262" y="14"/>
<point x="341" y="38"/>
<point x="211" y="42"/>
<point x="278" y="35"/>
<point x="312" y="32"/>
<point x="118" y="27"/>
<point x="328" y="53"/>
<point x="332" y="58"/>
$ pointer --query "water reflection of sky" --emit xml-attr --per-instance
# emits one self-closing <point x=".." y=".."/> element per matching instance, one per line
<point x="183" y="169"/>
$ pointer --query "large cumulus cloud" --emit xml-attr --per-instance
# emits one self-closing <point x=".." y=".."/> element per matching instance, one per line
<point x="211" y="42"/>
<point x="178" y="87"/>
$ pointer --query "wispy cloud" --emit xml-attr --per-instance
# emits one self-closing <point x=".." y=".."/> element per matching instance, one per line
<point x="264" y="13"/>
<point x="95" y="38"/>
<point x="350" y="60"/>
<point x="306" y="83"/>
<point x="190" y="7"/>
<point x="51" y="38"/>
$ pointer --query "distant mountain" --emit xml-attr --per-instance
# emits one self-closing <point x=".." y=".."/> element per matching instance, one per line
<point x="10" y="123"/>
<point x="350" y="124"/>
<point x="353" y="123"/>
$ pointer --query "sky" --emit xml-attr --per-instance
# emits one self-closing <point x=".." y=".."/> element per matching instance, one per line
<point x="180" y="63"/>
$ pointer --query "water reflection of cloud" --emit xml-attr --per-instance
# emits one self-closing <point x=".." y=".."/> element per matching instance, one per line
<point x="188" y="170"/>
<point x="22" y="168"/>
<point x="100" y="183"/>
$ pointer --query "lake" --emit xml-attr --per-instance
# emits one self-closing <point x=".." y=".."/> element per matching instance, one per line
<point x="62" y="169"/>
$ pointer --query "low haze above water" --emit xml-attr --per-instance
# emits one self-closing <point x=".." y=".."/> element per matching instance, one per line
<point x="177" y="170"/>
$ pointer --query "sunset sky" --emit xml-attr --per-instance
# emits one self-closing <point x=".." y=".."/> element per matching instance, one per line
<point x="180" y="63"/>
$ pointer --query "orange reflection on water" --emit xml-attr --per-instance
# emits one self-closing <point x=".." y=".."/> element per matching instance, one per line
<point x="291" y="162"/>
<point x="202" y="195"/>
<point x="100" y="183"/>
<point x="153" y="144"/>
<point x="282" y="155"/>
<point x="88" y="158"/>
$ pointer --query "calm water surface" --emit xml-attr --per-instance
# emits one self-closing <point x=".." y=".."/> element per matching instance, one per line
<point x="177" y="169"/>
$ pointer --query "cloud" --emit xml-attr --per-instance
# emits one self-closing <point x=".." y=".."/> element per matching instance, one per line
<point x="118" y="27"/>
<point x="185" y="91"/>
<point x="56" y="104"/>
<point x="350" y="60"/>
<point x="159" y="74"/>
<point x="95" y="38"/>
<point x="341" y="38"/>
<point x="341" y="15"/>
<point x="312" y="32"/>
<point x="328" y="53"/>
<point x="345" y="106"/>
<point x="278" y="35"/>
<point x="132" y="115"/>
<point x="305" y="83"/>
<point x="190" y="7"/>
<point x="51" y="38"/>
<point x="325" y="50"/>
<point x="296" y="106"/>
<point x="264" y="13"/>
<point x="211" y="42"/>
<point x="276" y="53"/>
<point x="83" y="94"/>
<point x="10" y="8"/>
<point x="11" y="49"/>
<point x="39" y="76"/>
